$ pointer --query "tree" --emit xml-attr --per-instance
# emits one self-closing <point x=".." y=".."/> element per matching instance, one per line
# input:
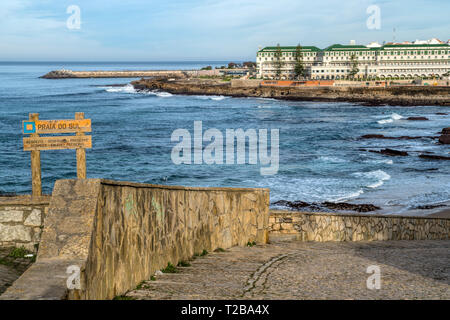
<point x="249" y="64"/>
<point x="353" y="65"/>
<point x="299" y="68"/>
<point x="279" y="63"/>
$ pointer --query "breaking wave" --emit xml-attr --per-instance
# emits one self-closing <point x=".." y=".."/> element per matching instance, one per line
<point x="376" y="178"/>
<point x="215" y="98"/>
<point x="393" y="117"/>
<point x="130" y="89"/>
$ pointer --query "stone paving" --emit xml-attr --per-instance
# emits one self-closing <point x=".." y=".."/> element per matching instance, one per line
<point x="310" y="270"/>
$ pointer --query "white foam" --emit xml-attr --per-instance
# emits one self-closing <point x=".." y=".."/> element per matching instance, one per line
<point x="393" y="117"/>
<point x="126" y="89"/>
<point x="130" y="89"/>
<point x="380" y="161"/>
<point x="215" y="98"/>
<point x="332" y="159"/>
<point x="379" y="175"/>
<point x="349" y="196"/>
<point x="163" y="94"/>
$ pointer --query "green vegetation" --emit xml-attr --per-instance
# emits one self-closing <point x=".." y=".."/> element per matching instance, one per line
<point x="152" y="278"/>
<point x="169" y="269"/>
<point x="278" y="62"/>
<point x="6" y="262"/>
<point x="251" y="244"/>
<point x="123" y="298"/>
<point x="140" y="285"/>
<point x="19" y="253"/>
<point x="184" y="264"/>
<point x="219" y="250"/>
<point x="299" y="68"/>
<point x="204" y="253"/>
<point x="354" y="66"/>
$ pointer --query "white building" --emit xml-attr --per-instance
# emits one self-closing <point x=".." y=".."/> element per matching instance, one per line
<point x="374" y="61"/>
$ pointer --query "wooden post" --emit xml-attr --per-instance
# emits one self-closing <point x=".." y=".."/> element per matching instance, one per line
<point x="81" y="153"/>
<point x="36" y="181"/>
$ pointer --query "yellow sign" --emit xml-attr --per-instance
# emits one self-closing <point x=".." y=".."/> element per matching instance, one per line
<point x="57" y="143"/>
<point x="56" y="126"/>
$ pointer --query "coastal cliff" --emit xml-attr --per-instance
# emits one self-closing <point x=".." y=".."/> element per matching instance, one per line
<point x="403" y="96"/>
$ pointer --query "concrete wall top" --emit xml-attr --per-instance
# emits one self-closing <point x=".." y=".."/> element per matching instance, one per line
<point x="156" y="186"/>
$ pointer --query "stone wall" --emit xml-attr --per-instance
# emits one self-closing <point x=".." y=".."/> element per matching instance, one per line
<point x="21" y="221"/>
<point x="120" y="234"/>
<point x="307" y="226"/>
<point x="247" y="83"/>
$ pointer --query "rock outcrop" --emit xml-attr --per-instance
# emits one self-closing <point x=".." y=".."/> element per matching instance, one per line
<point x="403" y="96"/>
<point x="323" y="206"/>
<point x="417" y="119"/>
<point x="391" y="152"/>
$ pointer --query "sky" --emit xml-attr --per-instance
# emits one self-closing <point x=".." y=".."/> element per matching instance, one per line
<point x="201" y="30"/>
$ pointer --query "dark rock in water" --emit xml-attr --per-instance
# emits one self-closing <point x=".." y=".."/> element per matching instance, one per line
<point x="444" y="139"/>
<point x="433" y="157"/>
<point x="441" y="113"/>
<point x="417" y="119"/>
<point x="349" y="206"/>
<point x="374" y="136"/>
<point x="341" y="206"/>
<point x="446" y="130"/>
<point x="380" y="136"/>
<point x="295" y="204"/>
<point x="391" y="152"/>
<point x="420" y="170"/>
<point x="429" y="206"/>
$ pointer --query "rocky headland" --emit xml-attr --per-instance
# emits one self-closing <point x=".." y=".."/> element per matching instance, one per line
<point x="371" y="96"/>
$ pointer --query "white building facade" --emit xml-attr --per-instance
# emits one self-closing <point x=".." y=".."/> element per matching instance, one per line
<point x="375" y="62"/>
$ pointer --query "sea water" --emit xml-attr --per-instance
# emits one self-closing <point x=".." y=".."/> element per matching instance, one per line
<point x="321" y="156"/>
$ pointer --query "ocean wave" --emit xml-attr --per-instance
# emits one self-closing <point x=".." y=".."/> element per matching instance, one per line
<point x="384" y="161"/>
<point x="351" y="195"/>
<point x="332" y="159"/>
<point x="130" y="89"/>
<point x="376" y="178"/>
<point x="215" y="98"/>
<point x="126" y="89"/>
<point x="161" y="94"/>
<point x="393" y="117"/>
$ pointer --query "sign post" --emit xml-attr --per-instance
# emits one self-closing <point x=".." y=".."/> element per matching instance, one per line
<point x="35" y="143"/>
<point x="81" y="152"/>
<point x="36" y="182"/>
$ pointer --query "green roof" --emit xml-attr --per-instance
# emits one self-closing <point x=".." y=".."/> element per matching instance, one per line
<point x="290" y="48"/>
<point x="341" y="47"/>
<point x="345" y="47"/>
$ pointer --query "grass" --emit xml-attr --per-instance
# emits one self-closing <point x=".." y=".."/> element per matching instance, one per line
<point x="204" y="253"/>
<point x="140" y="285"/>
<point x="169" y="269"/>
<point x="19" y="253"/>
<point x="251" y="244"/>
<point x="220" y="250"/>
<point x="5" y="262"/>
<point x="152" y="278"/>
<point x="184" y="264"/>
<point x="123" y="298"/>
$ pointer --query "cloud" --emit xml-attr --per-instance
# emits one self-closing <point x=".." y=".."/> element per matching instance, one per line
<point x="203" y="29"/>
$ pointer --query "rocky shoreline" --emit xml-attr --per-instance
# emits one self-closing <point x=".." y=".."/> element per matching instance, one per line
<point x="399" y="96"/>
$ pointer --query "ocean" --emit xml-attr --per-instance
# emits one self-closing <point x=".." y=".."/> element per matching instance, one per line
<point x="321" y="156"/>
